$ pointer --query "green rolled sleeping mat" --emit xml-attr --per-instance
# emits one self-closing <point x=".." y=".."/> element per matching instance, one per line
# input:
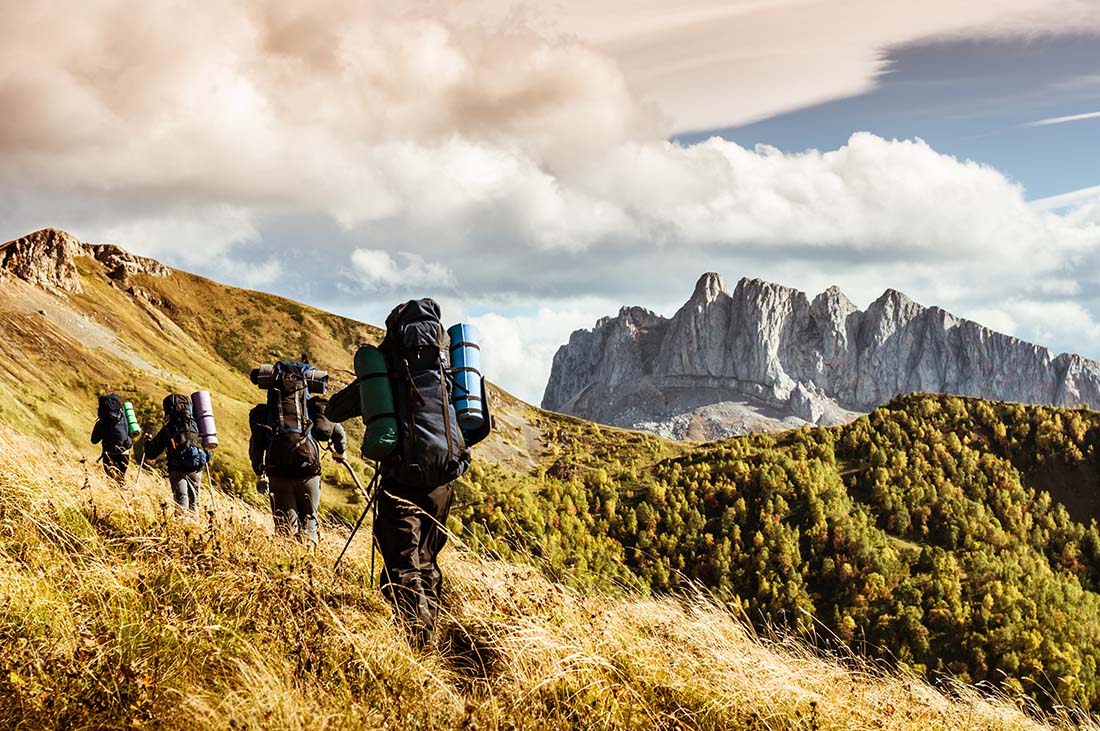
<point x="376" y="403"/>
<point x="132" y="425"/>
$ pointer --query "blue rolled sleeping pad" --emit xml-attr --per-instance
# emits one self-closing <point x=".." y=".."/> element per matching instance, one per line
<point x="466" y="366"/>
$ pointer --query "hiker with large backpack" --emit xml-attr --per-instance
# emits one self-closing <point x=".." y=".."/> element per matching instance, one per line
<point x="404" y="392"/>
<point x="180" y="439"/>
<point x="112" y="431"/>
<point x="284" y="444"/>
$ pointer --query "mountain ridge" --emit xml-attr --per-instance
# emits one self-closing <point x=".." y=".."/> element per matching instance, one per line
<point x="765" y="356"/>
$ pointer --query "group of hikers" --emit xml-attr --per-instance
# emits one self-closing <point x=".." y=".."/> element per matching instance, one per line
<point x="421" y="398"/>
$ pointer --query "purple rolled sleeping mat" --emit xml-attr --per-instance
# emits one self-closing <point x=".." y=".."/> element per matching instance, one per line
<point x="203" y="411"/>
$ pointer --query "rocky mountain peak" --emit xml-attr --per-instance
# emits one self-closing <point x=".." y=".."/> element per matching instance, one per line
<point x="47" y="259"/>
<point x="833" y="300"/>
<point x="708" y="289"/>
<point x="44" y="258"/>
<point x="892" y="300"/>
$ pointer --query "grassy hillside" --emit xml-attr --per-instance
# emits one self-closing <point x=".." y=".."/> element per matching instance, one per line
<point x="116" y="616"/>
<point x="924" y="533"/>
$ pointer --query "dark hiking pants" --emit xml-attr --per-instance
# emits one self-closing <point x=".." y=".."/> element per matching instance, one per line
<point x="294" y="500"/>
<point x="185" y="490"/>
<point x="410" y="533"/>
<point x="115" y="465"/>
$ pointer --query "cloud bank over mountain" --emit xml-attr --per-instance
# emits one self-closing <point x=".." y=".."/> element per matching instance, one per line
<point x="352" y="155"/>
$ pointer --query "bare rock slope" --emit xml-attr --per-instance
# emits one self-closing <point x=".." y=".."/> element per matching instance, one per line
<point x="766" y="357"/>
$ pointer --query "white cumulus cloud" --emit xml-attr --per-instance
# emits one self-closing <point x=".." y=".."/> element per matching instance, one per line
<point x="375" y="269"/>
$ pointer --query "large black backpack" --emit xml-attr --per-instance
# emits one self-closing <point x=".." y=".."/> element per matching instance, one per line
<point x="116" y="436"/>
<point x="185" y="450"/>
<point x="291" y="448"/>
<point x="431" y="450"/>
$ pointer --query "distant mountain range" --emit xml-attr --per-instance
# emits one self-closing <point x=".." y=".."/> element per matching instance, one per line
<point x="766" y="357"/>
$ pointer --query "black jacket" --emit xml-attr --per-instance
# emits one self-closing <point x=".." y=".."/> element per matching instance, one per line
<point x="344" y="404"/>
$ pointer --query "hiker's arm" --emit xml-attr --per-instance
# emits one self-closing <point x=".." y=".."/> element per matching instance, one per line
<point x="339" y="439"/>
<point x="257" y="442"/>
<point x="345" y="404"/>
<point x="97" y="432"/>
<point x="157" y="444"/>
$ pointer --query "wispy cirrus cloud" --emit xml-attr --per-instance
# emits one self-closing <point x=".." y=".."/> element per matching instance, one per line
<point x="1068" y="200"/>
<point x="1062" y="120"/>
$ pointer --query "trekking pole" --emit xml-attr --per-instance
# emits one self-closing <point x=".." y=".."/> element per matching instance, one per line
<point x="373" y="540"/>
<point x="210" y="481"/>
<point x="367" y="497"/>
<point x="141" y="464"/>
<point x="373" y="545"/>
<point x="370" y="503"/>
<point x="359" y="485"/>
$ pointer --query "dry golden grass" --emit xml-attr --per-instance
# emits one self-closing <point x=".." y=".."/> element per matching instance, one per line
<point x="117" y="615"/>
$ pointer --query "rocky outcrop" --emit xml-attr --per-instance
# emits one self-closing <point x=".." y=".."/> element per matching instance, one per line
<point x="47" y="258"/>
<point x="766" y="357"/>
<point x="44" y="258"/>
<point x="121" y="265"/>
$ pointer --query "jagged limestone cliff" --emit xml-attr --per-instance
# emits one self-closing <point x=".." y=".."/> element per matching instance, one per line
<point x="766" y="357"/>
<point x="47" y="258"/>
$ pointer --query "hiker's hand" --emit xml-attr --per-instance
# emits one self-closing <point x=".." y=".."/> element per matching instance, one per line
<point x="263" y="485"/>
<point x="339" y="457"/>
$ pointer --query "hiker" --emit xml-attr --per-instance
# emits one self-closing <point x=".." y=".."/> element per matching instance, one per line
<point x="416" y="487"/>
<point x="112" y="431"/>
<point x="288" y="465"/>
<point x="180" y="439"/>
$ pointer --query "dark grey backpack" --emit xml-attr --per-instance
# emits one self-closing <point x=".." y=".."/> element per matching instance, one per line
<point x="185" y="450"/>
<point x="431" y="450"/>
<point x="291" y="450"/>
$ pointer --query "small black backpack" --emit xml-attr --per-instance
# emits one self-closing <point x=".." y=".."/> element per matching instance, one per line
<point x="185" y="450"/>
<point x="431" y="449"/>
<point x="322" y="427"/>
<point x="291" y="450"/>
<point x="116" y="436"/>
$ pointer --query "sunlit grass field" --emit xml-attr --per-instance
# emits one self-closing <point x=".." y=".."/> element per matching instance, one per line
<point x="118" y="615"/>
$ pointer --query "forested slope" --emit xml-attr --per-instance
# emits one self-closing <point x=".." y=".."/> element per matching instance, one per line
<point x="923" y="533"/>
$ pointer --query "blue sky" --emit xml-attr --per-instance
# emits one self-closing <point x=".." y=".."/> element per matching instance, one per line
<point x="974" y="99"/>
<point x="532" y="166"/>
